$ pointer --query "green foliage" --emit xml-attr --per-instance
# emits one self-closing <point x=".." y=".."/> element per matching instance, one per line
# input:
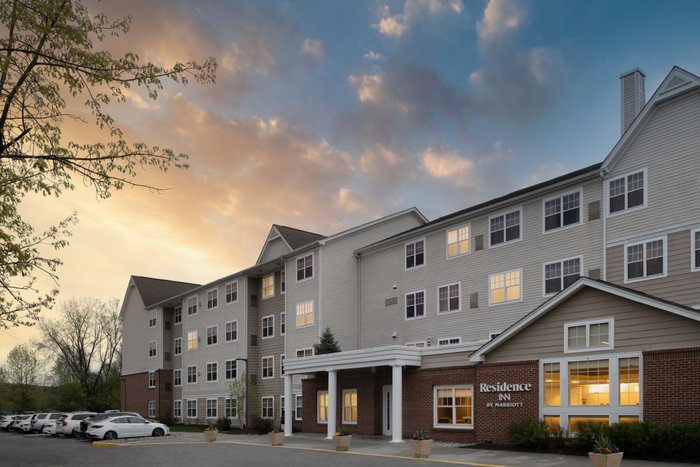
<point x="528" y="433"/>
<point x="588" y="433"/>
<point x="421" y="434"/>
<point x="240" y="389"/>
<point x="49" y="59"/>
<point x="23" y="373"/>
<point x="261" y="426"/>
<point x="327" y="343"/>
<point x="223" y="424"/>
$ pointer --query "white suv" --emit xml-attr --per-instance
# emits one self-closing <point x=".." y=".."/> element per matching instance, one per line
<point x="44" y="418"/>
<point x="69" y="424"/>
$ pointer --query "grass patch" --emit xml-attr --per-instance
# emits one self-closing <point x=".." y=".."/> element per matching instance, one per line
<point x="187" y="428"/>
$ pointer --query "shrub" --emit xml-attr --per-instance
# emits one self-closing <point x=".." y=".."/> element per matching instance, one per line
<point x="528" y="433"/>
<point x="588" y="433"/>
<point x="261" y="426"/>
<point x="223" y="424"/>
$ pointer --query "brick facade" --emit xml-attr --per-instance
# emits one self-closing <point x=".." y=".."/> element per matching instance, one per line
<point x="135" y="393"/>
<point x="671" y="379"/>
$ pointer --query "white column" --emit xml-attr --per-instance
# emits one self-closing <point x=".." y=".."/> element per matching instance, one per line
<point x="332" y="390"/>
<point x="396" y="404"/>
<point x="288" y="400"/>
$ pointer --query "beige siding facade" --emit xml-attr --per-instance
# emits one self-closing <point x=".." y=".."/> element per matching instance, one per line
<point x="135" y="356"/>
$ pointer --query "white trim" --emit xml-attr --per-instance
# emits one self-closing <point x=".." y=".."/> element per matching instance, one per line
<point x="447" y="341"/>
<point x="262" y="366"/>
<point x="216" y="327"/>
<point x="196" y="336"/>
<point x="153" y="318"/>
<point x="196" y="304"/>
<point x="235" y="365"/>
<point x="216" y="291"/>
<point x="187" y="408"/>
<point x="447" y="240"/>
<point x="414" y="344"/>
<point x="304" y="349"/>
<point x="343" y="421"/>
<point x="454" y="426"/>
<point x="611" y="179"/>
<point x="645" y="277"/>
<point x="318" y="413"/>
<point x="313" y="312"/>
<point x="225" y="294"/>
<point x="283" y="330"/>
<point x="349" y="359"/>
<point x="406" y="318"/>
<point x="229" y="322"/>
<point x="155" y="382"/>
<point x="282" y="359"/>
<point x="196" y="375"/>
<point x="262" y="286"/>
<point x="505" y="300"/>
<point x="174" y="384"/>
<point x="154" y="347"/>
<point x="262" y="405"/>
<point x="694" y="245"/>
<point x="503" y="213"/>
<point x="560" y="261"/>
<point x="175" y="352"/>
<point x="283" y="283"/>
<point x="313" y="267"/>
<point x="206" y="370"/>
<point x="216" y="408"/>
<point x="262" y="327"/>
<point x="177" y="402"/>
<point x="296" y="397"/>
<point x="459" y="298"/>
<point x="175" y="322"/>
<point x="578" y="190"/>
<point x="403" y="254"/>
<point x="587" y="323"/>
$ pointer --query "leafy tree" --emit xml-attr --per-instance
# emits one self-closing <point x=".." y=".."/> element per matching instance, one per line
<point x="50" y="59"/>
<point x="327" y="343"/>
<point x="23" y="372"/>
<point x="86" y="338"/>
<point x="240" y="389"/>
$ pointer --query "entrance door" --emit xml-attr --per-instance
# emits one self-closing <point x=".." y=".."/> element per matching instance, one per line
<point x="386" y="410"/>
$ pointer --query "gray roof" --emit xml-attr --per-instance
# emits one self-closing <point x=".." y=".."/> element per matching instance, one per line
<point x="154" y="290"/>
<point x="296" y="238"/>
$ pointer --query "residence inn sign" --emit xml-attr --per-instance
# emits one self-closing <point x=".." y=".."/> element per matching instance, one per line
<point x="504" y="391"/>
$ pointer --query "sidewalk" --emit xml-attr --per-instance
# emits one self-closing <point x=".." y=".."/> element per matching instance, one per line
<point x="441" y="453"/>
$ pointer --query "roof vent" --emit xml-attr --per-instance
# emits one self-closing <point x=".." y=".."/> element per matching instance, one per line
<point x="632" y="87"/>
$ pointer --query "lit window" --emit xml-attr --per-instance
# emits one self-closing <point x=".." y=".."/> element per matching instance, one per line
<point x="591" y="335"/>
<point x="561" y="274"/>
<point x="552" y="421"/>
<point x="448" y="298"/>
<point x="305" y="267"/>
<point x="177" y="409"/>
<point x="178" y="317"/>
<point x="152" y="348"/>
<point x="151" y="379"/>
<point x="305" y="314"/>
<point x="212" y="298"/>
<point x="505" y="287"/>
<point x="191" y="408"/>
<point x="629" y="380"/>
<point x="415" y="305"/>
<point x="232" y="292"/>
<point x="283" y="282"/>
<point x="268" y="286"/>
<point x="191" y="305"/>
<point x="298" y="412"/>
<point x="283" y="323"/>
<point x="268" y="367"/>
<point x="212" y="335"/>
<point x="695" y="251"/>
<point x="453" y="406"/>
<point x="177" y="346"/>
<point x="177" y="377"/>
<point x="231" y="369"/>
<point x="231" y="331"/>
<point x="552" y="384"/>
<point x="626" y="192"/>
<point x="212" y="372"/>
<point x="152" y="318"/>
<point x="231" y="408"/>
<point x="645" y="259"/>
<point x="211" y="408"/>
<point x="449" y="341"/>
<point x="350" y="406"/>
<point x="504" y="228"/>
<point x="308" y="352"/>
<point x="192" y="340"/>
<point x="322" y="409"/>
<point x="152" y="409"/>
<point x="589" y="383"/>
<point x="415" y="255"/>
<point x="268" y="407"/>
<point x="575" y="421"/>
<point x="562" y="211"/>
<point x="191" y="374"/>
<point x="268" y="326"/>
<point x="458" y="241"/>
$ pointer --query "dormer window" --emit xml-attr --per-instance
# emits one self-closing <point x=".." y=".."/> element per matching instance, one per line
<point x="588" y="336"/>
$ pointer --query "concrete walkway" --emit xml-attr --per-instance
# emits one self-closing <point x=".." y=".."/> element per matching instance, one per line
<point x="378" y="446"/>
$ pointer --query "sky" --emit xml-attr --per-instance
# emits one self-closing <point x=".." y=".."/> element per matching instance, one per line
<point x="327" y="114"/>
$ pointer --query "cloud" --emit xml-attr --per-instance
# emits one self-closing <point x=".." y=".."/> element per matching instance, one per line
<point x="372" y="56"/>
<point x="370" y="88"/>
<point x="448" y="164"/>
<point x="500" y="17"/>
<point x="397" y="24"/>
<point x="313" y="48"/>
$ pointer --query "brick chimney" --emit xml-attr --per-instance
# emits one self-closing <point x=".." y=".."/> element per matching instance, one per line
<point x="632" y="86"/>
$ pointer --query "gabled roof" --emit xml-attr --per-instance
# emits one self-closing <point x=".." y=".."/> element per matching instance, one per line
<point x="154" y="290"/>
<point x="678" y="81"/>
<point x="608" y="287"/>
<point x="292" y="238"/>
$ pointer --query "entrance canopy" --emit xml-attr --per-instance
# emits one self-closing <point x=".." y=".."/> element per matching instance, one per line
<point x="393" y="355"/>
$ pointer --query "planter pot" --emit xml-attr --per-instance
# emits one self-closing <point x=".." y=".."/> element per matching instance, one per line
<point x="342" y="443"/>
<point x="421" y="447"/>
<point x="605" y="460"/>
<point x="276" y="439"/>
<point x="210" y="435"/>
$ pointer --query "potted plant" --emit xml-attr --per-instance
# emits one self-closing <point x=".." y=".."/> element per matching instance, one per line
<point x="211" y="433"/>
<point x="342" y="440"/>
<point x="605" y="454"/>
<point x="276" y="435"/>
<point x="421" y="443"/>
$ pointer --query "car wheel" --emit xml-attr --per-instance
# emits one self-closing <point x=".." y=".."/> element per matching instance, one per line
<point x="110" y="435"/>
<point x="158" y="432"/>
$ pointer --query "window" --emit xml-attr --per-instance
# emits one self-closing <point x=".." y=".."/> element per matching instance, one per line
<point x="561" y="274"/>
<point x="283" y="319"/>
<point x="231" y="369"/>
<point x="268" y="367"/>
<point x="322" y="408"/>
<point x="350" y="406"/>
<point x="552" y="384"/>
<point x="627" y="192"/>
<point x="152" y="348"/>
<point x="191" y="408"/>
<point x="268" y="326"/>
<point x="212" y="298"/>
<point x="562" y="211"/>
<point x="308" y="352"/>
<point x="305" y="314"/>
<point x="282" y="409"/>
<point x="589" y="335"/>
<point x="192" y="340"/>
<point x="213" y="335"/>
<point x="231" y="331"/>
<point x="505" y="287"/>
<point x="268" y="286"/>
<point x="268" y="407"/>
<point x="589" y="382"/>
<point x="151" y="379"/>
<point x="151" y="409"/>
<point x="177" y="346"/>
<point x="458" y="241"/>
<point x="212" y="372"/>
<point x="449" y="340"/>
<point x="305" y="267"/>
<point x="152" y="318"/>
<point x="628" y="370"/>
<point x="695" y="250"/>
<point x="177" y="377"/>
<point x="211" y="408"/>
<point x="177" y="409"/>
<point x="232" y="292"/>
<point x="178" y="319"/>
<point x="448" y="298"/>
<point x="298" y="410"/>
<point x="646" y="259"/>
<point x="281" y="365"/>
<point x="504" y="228"/>
<point x="192" y="374"/>
<point x="415" y="305"/>
<point x="416" y="344"/>
<point x="231" y="408"/>
<point x="453" y="406"/>
<point x="415" y="256"/>
<point x="283" y="282"/>
<point x="191" y="305"/>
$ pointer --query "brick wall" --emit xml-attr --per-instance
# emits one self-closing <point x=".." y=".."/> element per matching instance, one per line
<point x="671" y="379"/>
<point x="135" y="393"/>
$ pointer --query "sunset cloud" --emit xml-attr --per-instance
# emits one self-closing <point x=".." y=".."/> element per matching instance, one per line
<point x="447" y="164"/>
<point x="395" y="25"/>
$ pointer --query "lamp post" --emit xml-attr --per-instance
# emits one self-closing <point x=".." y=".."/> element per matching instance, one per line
<point x="245" y="423"/>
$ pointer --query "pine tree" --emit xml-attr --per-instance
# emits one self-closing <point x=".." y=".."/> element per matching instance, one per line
<point x="327" y="344"/>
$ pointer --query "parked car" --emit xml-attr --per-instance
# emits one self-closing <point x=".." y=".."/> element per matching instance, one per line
<point x="85" y="424"/>
<point x="25" y="424"/>
<point x="51" y="425"/>
<point x="69" y="424"/>
<point x="6" y="421"/>
<point x="19" y="419"/>
<point x="42" y="419"/>
<point x="126" y="427"/>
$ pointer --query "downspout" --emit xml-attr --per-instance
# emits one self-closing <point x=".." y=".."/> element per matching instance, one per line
<point x="320" y="291"/>
<point x="604" y="213"/>
<point x="359" y="298"/>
